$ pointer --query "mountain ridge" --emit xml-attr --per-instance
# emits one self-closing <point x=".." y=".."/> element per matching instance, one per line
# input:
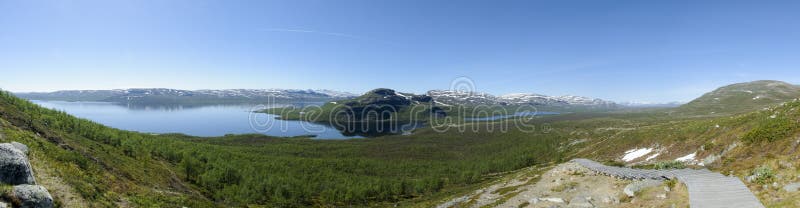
<point x="451" y="97"/>
<point x="168" y="95"/>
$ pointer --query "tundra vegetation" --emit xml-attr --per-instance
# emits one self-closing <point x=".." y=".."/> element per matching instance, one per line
<point x="110" y="167"/>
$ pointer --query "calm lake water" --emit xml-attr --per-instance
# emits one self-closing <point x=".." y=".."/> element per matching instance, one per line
<point x="215" y="120"/>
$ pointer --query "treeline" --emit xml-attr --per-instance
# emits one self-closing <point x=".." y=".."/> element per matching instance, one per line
<point x="241" y="170"/>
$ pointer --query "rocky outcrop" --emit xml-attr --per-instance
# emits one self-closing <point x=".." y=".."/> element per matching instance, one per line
<point x="14" y="166"/>
<point x="20" y="147"/>
<point x="15" y="169"/>
<point x="33" y="196"/>
<point x="633" y="188"/>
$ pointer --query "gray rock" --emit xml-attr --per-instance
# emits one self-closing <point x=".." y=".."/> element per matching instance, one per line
<point x="580" y="202"/>
<point x="637" y="186"/>
<point x="14" y="166"/>
<point x="750" y="178"/>
<point x="20" y="147"/>
<point x="33" y="196"/>
<point x="552" y="199"/>
<point x="610" y="200"/>
<point x="792" y="187"/>
<point x="533" y="201"/>
<point x="4" y="205"/>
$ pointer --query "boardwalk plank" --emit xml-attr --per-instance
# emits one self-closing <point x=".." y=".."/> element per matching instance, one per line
<point x="706" y="189"/>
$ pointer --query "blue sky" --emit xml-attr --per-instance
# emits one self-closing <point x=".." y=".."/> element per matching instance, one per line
<point x="655" y="51"/>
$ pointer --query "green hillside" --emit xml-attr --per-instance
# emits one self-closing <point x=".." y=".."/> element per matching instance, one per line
<point x="741" y="98"/>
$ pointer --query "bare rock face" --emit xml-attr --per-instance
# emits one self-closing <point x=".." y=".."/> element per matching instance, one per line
<point x="33" y="196"/>
<point x="14" y="166"/>
<point x="20" y="147"/>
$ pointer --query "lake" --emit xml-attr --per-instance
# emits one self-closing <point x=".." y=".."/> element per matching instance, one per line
<point x="209" y="120"/>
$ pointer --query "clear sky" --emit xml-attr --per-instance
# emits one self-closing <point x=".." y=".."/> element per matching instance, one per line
<point x="637" y="50"/>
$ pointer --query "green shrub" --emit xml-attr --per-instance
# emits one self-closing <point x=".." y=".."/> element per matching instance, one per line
<point x="661" y="165"/>
<point x="763" y="174"/>
<point x="708" y="146"/>
<point x="614" y="163"/>
<point x="671" y="183"/>
<point x="771" y="130"/>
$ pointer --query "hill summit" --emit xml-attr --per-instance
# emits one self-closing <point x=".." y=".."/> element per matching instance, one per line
<point x="743" y="97"/>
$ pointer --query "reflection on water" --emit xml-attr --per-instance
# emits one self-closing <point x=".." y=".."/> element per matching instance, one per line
<point x="198" y="120"/>
<point x="375" y="129"/>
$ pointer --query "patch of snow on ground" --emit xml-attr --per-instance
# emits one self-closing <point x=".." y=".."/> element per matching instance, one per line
<point x="636" y="153"/>
<point x="652" y="156"/>
<point x="687" y="158"/>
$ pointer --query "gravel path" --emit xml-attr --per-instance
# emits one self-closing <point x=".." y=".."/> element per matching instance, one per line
<point x="706" y="189"/>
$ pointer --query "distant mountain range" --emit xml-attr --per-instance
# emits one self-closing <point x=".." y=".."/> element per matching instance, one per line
<point x="174" y="96"/>
<point x="440" y="97"/>
<point x="448" y="97"/>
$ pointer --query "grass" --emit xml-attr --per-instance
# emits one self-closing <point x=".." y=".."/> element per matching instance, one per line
<point x="564" y="187"/>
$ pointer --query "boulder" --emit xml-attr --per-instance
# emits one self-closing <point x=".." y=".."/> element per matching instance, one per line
<point x="14" y="166"/>
<point x="637" y="186"/>
<point x="552" y="199"/>
<point x="33" y="196"/>
<point x="580" y="202"/>
<point x="20" y="147"/>
<point x="792" y="187"/>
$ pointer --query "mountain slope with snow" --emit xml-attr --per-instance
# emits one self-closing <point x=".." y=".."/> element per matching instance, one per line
<point x="470" y="98"/>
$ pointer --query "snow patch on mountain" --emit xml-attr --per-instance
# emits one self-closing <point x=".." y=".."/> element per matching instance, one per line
<point x="632" y="154"/>
<point x="456" y="98"/>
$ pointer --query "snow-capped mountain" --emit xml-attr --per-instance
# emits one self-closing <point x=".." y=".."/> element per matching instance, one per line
<point x="448" y="97"/>
<point x="165" y="95"/>
<point x="467" y="98"/>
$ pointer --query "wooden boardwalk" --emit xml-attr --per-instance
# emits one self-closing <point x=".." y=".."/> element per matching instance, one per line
<point x="706" y="189"/>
